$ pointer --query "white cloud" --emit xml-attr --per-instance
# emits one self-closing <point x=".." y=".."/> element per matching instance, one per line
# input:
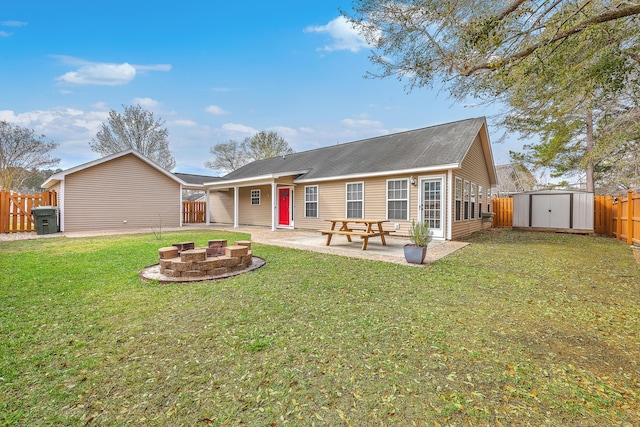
<point x="100" y="74"/>
<point x="13" y="23"/>
<point x="147" y="103"/>
<point x="238" y="128"/>
<point x="215" y="110"/>
<point x="344" y="36"/>
<point x="153" y="67"/>
<point x="362" y="123"/>
<point x="283" y="131"/>
<point x="184" y="123"/>
<point x="103" y="73"/>
<point x="4" y="34"/>
<point x="100" y="106"/>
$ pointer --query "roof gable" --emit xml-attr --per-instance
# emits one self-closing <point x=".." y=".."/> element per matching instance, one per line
<point x="440" y="146"/>
<point x="60" y="176"/>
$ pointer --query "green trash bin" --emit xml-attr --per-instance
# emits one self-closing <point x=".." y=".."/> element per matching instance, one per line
<point x="45" y="219"/>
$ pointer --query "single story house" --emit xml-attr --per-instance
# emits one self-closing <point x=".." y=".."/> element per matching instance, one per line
<point x="120" y="191"/>
<point x="440" y="174"/>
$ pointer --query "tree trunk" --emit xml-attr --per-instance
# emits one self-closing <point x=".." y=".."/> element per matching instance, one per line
<point x="590" y="186"/>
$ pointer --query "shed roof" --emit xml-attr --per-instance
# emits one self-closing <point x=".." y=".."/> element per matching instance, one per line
<point x="441" y="146"/>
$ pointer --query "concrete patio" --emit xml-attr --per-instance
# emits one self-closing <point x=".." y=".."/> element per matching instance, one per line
<point x="313" y="241"/>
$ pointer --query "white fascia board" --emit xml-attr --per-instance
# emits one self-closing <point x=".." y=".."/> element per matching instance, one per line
<point x="437" y="168"/>
<point x="254" y="180"/>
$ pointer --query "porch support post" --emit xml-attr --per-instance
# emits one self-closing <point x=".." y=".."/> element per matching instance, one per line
<point x="181" y="212"/>
<point x="274" y="202"/>
<point x="236" y="203"/>
<point x="207" y="200"/>
<point x="61" y="196"/>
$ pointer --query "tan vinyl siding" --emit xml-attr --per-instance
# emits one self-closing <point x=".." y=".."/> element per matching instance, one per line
<point x="332" y="202"/>
<point x="221" y="207"/>
<point x="474" y="170"/>
<point x="127" y="189"/>
<point x="254" y="214"/>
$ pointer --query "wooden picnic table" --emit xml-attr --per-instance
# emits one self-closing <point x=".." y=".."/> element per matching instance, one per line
<point x="364" y="228"/>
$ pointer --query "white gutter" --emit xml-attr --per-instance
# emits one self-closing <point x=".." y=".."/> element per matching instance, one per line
<point x="254" y="180"/>
<point x="377" y="174"/>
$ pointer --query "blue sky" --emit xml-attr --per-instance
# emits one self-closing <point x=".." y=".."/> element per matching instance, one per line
<point x="213" y="70"/>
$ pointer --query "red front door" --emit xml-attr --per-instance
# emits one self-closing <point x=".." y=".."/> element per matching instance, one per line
<point x="284" y="207"/>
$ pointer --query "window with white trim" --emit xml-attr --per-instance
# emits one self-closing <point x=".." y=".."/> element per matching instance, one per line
<point x="355" y="200"/>
<point x="311" y="201"/>
<point x="466" y="199"/>
<point x="458" y="199"/>
<point x="473" y="200"/>
<point x="480" y="194"/>
<point x="398" y="199"/>
<point x="255" y="197"/>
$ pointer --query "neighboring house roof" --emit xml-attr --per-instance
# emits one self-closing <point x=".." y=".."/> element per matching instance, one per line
<point x="193" y="197"/>
<point x="515" y="178"/>
<point x="60" y="176"/>
<point x="196" y="179"/>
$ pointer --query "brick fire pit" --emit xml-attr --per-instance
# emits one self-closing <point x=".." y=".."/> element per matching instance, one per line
<point x="184" y="262"/>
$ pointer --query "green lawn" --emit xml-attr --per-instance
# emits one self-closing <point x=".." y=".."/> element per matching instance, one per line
<point x="515" y="329"/>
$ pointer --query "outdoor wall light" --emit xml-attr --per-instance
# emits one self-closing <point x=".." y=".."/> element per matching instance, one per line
<point x="413" y="181"/>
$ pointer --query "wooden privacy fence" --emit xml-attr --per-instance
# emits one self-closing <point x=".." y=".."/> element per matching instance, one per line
<point x="618" y="217"/>
<point x="503" y="209"/>
<point x="194" y="212"/>
<point x="15" y="209"/>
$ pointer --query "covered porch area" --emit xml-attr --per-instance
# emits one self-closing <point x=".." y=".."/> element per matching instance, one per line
<point x="267" y="201"/>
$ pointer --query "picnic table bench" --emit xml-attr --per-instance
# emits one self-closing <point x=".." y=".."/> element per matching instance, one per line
<point x="365" y="231"/>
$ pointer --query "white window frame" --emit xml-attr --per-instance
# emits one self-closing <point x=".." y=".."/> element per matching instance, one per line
<point x="254" y="197"/>
<point x="465" y="199"/>
<point x="458" y="198"/>
<point x="406" y="199"/>
<point x="480" y="194"/>
<point x="355" y="200"/>
<point x="316" y="201"/>
<point x="473" y="201"/>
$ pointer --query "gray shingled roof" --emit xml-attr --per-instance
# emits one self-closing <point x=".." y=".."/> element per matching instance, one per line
<point x="432" y="146"/>
<point x="196" y="179"/>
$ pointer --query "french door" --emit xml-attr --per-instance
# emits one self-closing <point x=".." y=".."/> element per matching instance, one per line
<point x="432" y="204"/>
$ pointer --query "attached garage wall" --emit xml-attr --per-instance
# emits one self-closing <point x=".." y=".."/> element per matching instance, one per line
<point x="122" y="193"/>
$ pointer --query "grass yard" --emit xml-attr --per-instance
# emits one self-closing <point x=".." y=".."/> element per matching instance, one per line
<point x="515" y="329"/>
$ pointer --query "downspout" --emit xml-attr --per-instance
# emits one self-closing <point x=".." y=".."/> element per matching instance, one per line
<point x="236" y="203"/>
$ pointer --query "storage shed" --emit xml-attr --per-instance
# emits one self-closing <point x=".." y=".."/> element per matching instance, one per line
<point x="554" y="210"/>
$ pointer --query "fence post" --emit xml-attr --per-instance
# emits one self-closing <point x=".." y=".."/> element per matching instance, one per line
<point x="630" y="217"/>
<point x="619" y="221"/>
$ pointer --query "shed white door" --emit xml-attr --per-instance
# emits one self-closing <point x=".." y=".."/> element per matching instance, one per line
<point x="432" y="206"/>
<point x="551" y="210"/>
